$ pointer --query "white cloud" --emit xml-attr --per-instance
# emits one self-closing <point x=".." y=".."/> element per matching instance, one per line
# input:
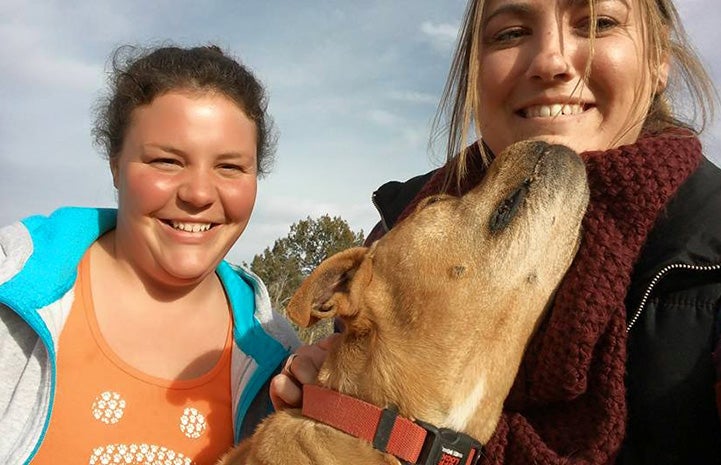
<point x="442" y="35"/>
<point x="384" y="118"/>
<point x="414" y="97"/>
<point x="30" y="61"/>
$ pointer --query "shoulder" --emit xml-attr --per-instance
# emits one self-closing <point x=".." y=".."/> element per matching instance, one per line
<point x="65" y="233"/>
<point x="681" y="259"/>
<point x="40" y="254"/>
<point x="392" y="198"/>
<point x="688" y="231"/>
<point x="396" y="195"/>
<point x="700" y="194"/>
<point x="15" y="249"/>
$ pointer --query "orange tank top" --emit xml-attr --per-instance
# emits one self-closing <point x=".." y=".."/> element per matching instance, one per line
<point x="106" y="412"/>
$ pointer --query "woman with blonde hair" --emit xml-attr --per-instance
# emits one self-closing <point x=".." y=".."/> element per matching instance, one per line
<point x="622" y="368"/>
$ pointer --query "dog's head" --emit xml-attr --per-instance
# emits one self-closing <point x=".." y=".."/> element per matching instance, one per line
<point x="438" y="312"/>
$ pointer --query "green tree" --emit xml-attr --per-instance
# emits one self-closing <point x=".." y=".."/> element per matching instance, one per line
<point x="284" y="265"/>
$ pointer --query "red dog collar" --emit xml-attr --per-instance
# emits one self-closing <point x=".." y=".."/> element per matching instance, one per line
<point x="409" y="441"/>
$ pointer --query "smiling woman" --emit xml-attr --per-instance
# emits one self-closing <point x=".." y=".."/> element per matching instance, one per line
<point x="529" y="81"/>
<point x="147" y="344"/>
<point x="623" y="369"/>
<point x="186" y="177"/>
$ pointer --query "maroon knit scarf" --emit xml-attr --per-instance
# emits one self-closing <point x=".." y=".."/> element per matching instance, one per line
<point x="568" y="402"/>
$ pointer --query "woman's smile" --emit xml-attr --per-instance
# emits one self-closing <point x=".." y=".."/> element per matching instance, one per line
<point x="553" y="110"/>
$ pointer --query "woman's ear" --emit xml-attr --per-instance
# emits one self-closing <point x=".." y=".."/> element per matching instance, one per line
<point x="662" y="73"/>
<point x="114" y="170"/>
<point x="663" y="68"/>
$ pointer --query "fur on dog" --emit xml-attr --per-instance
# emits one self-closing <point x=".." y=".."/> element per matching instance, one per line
<point x="438" y="312"/>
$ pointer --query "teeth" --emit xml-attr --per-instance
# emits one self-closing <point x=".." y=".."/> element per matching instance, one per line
<point x="191" y="227"/>
<point x="557" y="109"/>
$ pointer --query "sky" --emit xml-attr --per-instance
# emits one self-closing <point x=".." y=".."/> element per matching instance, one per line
<point x="353" y="87"/>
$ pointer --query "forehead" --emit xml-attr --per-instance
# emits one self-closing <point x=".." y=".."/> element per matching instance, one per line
<point x="529" y="9"/>
<point x="490" y="6"/>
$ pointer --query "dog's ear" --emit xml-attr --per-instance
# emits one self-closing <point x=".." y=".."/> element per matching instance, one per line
<point x="324" y="293"/>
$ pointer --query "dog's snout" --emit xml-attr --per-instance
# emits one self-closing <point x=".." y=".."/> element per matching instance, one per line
<point x="508" y="208"/>
<point x="540" y="147"/>
<point x="543" y="148"/>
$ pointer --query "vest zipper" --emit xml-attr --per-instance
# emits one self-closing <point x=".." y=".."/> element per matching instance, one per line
<point x="657" y="278"/>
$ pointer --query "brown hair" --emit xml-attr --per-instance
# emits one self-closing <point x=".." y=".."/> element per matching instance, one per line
<point x="140" y="75"/>
<point x="665" y="37"/>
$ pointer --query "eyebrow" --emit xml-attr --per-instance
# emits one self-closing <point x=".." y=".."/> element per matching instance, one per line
<point x="232" y="156"/>
<point x="524" y="9"/>
<point x="578" y="3"/>
<point x="515" y="9"/>
<point x="181" y="153"/>
<point x="165" y="148"/>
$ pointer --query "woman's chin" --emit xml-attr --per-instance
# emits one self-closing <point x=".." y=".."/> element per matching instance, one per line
<point x="184" y="274"/>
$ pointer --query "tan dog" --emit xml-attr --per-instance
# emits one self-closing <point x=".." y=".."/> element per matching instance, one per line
<point x="438" y="312"/>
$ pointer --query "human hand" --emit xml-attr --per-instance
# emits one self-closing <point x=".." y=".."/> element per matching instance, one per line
<point x="302" y="367"/>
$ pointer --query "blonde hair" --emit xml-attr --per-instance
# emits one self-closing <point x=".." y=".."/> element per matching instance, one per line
<point x="665" y="38"/>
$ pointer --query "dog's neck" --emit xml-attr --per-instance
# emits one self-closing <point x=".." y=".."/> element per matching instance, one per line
<point x="410" y="441"/>
<point x="373" y="381"/>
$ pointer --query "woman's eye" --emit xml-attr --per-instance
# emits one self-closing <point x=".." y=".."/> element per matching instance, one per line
<point x="165" y="162"/>
<point x="508" y="35"/>
<point x="231" y="169"/>
<point x="603" y="24"/>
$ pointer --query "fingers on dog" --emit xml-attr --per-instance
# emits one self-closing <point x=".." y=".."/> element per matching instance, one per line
<point x="285" y="392"/>
<point x="304" y="367"/>
<point x="287" y="366"/>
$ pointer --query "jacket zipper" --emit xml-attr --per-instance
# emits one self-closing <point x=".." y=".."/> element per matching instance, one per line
<point x="656" y="279"/>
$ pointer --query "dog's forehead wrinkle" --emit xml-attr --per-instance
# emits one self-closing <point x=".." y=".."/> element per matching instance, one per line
<point x="457" y="271"/>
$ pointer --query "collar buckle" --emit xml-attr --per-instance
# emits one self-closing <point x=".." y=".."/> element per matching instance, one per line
<point x="444" y="446"/>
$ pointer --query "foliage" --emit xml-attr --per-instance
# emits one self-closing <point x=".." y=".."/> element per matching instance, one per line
<point x="291" y="259"/>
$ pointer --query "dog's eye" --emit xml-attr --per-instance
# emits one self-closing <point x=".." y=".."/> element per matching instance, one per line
<point x="507" y="209"/>
<point x="431" y="199"/>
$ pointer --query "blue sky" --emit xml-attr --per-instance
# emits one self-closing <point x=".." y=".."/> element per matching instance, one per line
<point x="353" y="87"/>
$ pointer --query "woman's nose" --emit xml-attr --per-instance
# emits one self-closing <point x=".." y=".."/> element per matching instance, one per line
<point x="551" y="60"/>
<point x="197" y="188"/>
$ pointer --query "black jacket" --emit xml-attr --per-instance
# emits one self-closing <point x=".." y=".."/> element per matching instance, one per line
<point x="674" y="314"/>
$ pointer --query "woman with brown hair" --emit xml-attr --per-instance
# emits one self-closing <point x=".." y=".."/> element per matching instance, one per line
<point x="126" y="337"/>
